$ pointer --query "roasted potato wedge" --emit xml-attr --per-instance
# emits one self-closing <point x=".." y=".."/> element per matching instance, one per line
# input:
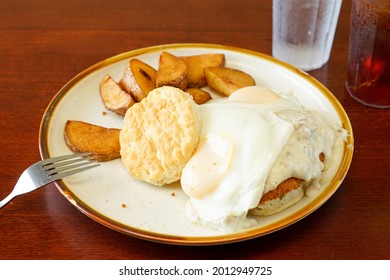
<point x="114" y="97"/>
<point x="196" y="65"/>
<point x="200" y="96"/>
<point x="226" y="80"/>
<point x="102" y="142"/>
<point x="139" y="79"/>
<point x="172" y="71"/>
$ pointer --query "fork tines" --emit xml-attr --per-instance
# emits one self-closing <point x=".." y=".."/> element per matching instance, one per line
<point x="62" y="166"/>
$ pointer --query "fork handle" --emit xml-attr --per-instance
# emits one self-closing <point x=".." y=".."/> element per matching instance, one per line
<point x="7" y="199"/>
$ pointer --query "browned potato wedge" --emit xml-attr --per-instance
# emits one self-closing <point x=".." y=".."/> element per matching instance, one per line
<point x="102" y="142"/>
<point x="226" y="80"/>
<point x="172" y="71"/>
<point x="196" y="65"/>
<point x="114" y="97"/>
<point x="139" y="79"/>
<point x="199" y="95"/>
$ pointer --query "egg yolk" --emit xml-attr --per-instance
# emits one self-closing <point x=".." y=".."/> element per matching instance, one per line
<point x="208" y="166"/>
<point x="254" y="94"/>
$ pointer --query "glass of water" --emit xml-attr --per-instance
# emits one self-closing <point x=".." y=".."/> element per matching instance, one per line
<point x="303" y="31"/>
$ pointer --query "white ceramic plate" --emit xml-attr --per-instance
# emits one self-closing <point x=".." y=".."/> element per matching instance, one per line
<point x="111" y="197"/>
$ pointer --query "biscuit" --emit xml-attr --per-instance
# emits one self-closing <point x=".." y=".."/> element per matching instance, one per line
<point x="159" y="135"/>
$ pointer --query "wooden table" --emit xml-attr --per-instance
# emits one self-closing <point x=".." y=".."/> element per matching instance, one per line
<point x="45" y="43"/>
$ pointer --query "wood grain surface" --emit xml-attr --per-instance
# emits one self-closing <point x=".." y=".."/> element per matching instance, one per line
<point x="45" y="43"/>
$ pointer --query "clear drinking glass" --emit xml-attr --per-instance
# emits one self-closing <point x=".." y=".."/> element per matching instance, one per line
<point x="369" y="53"/>
<point x="303" y="31"/>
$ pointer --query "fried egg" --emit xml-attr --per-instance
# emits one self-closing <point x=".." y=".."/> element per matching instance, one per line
<point x="240" y="140"/>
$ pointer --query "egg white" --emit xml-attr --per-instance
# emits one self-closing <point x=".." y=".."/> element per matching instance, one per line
<point x="254" y="138"/>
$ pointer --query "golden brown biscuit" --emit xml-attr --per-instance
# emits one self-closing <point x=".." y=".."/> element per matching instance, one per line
<point x="159" y="135"/>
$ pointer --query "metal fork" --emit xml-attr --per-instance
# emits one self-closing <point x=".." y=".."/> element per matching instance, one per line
<point x="50" y="170"/>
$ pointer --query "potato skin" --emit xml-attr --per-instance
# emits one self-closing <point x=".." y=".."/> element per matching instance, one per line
<point x="196" y="65"/>
<point x="226" y="80"/>
<point x="114" y="97"/>
<point x="172" y="71"/>
<point x="102" y="142"/>
<point x="200" y="96"/>
<point x="138" y="79"/>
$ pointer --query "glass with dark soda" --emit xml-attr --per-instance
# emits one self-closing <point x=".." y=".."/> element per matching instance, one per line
<point x="369" y="53"/>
